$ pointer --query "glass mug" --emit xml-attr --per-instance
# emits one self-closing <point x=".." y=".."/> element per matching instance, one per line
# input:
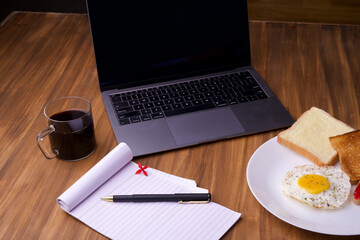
<point x="70" y="129"/>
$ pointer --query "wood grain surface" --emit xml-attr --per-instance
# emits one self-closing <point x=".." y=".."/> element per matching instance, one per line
<point x="320" y="11"/>
<point x="46" y="56"/>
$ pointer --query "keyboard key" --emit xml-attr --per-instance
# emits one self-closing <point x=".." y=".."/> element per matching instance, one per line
<point x="218" y="92"/>
<point x="175" y="89"/>
<point x="154" y="98"/>
<point x="193" y="91"/>
<point x="168" y="101"/>
<point x="165" y="90"/>
<point x="197" y="102"/>
<point x="135" y="119"/>
<point x="163" y="97"/>
<point x="232" y="101"/>
<point x="138" y="107"/>
<point x="228" y="96"/>
<point x="176" y="106"/>
<point x="128" y="114"/>
<point x="242" y="99"/>
<point x="217" y="98"/>
<point x="156" y="92"/>
<point x="159" y="103"/>
<point x="144" y="100"/>
<point x="146" y="94"/>
<point x="121" y="104"/>
<point x="252" y="98"/>
<point x="249" y="92"/>
<point x="221" y="103"/>
<point x="207" y="100"/>
<point x="146" y="111"/>
<point x="186" y="104"/>
<point x="189" y="109"/>
<point x="124" y="110"/>
<point x="157" y="115"/>
<point x="196" y="84"/>
<point x="184" y="93"/>
<point x="189" y="98"/>
<point x="209" y="94"/>
<point x="213" y="88"/>
<point x="166" y="108"/>
<point x="116" y="98"/>
<point x="145" y="118"/>
<point x="148" y="105"/>
<point x="203" y="89"/>
<point x="136" y="96"/>
<point x="134" y="102"/>
<point x="174" y="95"/>
<point x="261" y="96"/>
<point x="252" y="86"/>
<point x="199" y="96"/>
<point x="156" y="109"/>
<point x="124" y="121"/>
<point x="126" y="98"/>
<point x="185" y="86"/>
<point x="251" y="80"/>
<point x="179" y="99"/>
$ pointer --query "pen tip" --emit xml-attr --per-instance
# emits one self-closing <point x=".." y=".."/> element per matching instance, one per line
<point x="109" y="199"/>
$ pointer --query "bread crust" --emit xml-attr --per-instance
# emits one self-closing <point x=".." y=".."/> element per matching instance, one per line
<point x="347" y="146"/>
<point x="306" y="153"/>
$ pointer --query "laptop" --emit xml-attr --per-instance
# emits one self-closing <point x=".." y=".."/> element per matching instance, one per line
<point x="178" y="73"/>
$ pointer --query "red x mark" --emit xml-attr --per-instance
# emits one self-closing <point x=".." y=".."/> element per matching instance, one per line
<point x="142" y="169"/>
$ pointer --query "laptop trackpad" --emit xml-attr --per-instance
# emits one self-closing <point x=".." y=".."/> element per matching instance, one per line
<point x="204" y="126"/>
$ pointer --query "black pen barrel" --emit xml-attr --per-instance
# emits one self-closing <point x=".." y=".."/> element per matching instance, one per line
<point x="194" y="196"/>
<point x="162" y="197"/>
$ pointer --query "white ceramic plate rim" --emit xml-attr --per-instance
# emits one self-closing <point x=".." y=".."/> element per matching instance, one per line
<point x="265" y="170"/>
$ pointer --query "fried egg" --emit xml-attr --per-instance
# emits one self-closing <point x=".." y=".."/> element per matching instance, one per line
<point x="321" y="187"/>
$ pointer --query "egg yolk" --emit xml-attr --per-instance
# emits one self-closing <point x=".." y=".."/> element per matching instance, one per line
<point x="313" y="183"/>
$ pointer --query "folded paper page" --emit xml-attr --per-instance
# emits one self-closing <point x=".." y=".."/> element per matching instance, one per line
<point x="149" y="220"/>
<point x="96" y="176"/>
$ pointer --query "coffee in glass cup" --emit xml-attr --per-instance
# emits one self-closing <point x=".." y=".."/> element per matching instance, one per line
<point x="70" y="129"/>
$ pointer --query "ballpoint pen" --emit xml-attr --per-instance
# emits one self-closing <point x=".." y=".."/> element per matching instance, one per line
<point x="177" y="197"/>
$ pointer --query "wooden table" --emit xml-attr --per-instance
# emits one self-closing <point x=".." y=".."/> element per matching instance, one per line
<point x="44" y="56"/>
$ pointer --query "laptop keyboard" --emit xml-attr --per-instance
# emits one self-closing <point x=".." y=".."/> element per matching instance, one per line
<point x="191" y="96"/>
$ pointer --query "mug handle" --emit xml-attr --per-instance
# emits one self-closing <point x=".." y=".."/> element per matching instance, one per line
<point x="40" y="137"/>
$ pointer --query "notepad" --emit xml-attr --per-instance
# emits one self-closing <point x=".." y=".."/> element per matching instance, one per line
<point x="115" y="174"/>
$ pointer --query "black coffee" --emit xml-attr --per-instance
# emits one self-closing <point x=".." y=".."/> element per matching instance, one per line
<point x="74" y="139"/>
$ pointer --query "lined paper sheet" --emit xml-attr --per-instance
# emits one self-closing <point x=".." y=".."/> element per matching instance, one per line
<point x="153" y="220"/>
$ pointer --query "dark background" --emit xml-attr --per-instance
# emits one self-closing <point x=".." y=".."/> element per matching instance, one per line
<point x="66" y="6"/>
<point x="324" y="11"/>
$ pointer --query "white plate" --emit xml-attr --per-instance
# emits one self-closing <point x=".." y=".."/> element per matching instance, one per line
<point x="265" y="170"/>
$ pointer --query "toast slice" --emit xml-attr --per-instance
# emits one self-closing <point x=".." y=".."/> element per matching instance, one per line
<point x="348" y="147"/>
<point x="309" y="136"/>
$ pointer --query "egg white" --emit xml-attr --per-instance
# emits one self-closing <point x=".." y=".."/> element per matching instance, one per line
<point x="331" y="198"/>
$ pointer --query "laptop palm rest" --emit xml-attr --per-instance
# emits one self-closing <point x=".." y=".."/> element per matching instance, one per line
<point x="204" y="126"/>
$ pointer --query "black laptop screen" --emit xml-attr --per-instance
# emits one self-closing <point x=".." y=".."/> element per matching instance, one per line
<point x="138" y="41"/>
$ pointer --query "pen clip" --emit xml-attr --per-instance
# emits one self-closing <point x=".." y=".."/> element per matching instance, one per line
<point x="181" y="201"/>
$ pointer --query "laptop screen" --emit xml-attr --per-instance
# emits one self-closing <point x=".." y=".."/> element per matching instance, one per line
<point x="139" y="41"/>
